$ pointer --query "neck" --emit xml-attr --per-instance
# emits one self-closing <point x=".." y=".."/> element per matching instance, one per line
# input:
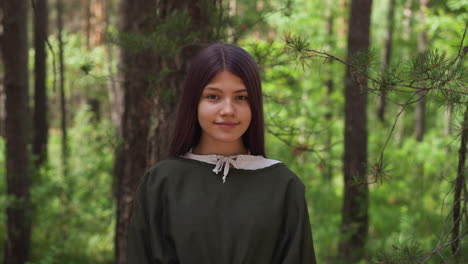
<point x="225" y="149"/>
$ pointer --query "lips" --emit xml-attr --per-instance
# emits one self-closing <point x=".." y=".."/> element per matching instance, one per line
<point x="226" y="124"/>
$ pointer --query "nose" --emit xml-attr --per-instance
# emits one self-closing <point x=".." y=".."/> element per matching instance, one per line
<point x="227" y="108"/>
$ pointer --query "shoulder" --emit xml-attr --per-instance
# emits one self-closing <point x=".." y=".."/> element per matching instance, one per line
<point x="295" y="188"/>
<point x="162" y="170"/>
<point x="166" y="164"/>
<point x="288" y="177"/>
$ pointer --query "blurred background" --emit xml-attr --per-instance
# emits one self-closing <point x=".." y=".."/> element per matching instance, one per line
<point x="366" y="101"/>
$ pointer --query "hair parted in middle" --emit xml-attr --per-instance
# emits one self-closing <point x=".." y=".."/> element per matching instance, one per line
<point x="205" y="66"/>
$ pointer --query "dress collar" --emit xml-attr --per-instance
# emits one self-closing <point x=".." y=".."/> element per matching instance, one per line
<point x="247" y="162"/>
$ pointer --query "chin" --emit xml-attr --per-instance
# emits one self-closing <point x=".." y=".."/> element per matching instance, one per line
<point x="228" y="139"/>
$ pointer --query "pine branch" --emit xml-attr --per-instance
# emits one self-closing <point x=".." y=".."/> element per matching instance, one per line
<point x="431" y="71"/>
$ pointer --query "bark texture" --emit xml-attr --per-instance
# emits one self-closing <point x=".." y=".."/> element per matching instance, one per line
<point x="15" y="56"/>
<point x="149" y="104"/>
<point x="420" y="111"/>
<point x="342" y="25"/>
<point x="2" y="89"/>
<point x="63" y="107"/>
<point x="460" y="182"/>
<point x="94" y="26"/>
<point x="114" y="91"/>
<point x="407" y="25"/>
<point x="40" y="92"/>
<point x="460" y="186"/>
<point x="387" y="53"/>
<point x="326" y="165"/>
<point x="354" y="223"/>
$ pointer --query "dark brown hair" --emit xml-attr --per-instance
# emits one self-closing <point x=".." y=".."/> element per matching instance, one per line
<point x="210" y="61"/>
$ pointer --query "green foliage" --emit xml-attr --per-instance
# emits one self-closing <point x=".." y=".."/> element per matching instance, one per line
<point x="87" y="76"/>
<point x="404" y="253"/>
<point x="167" y="34"/>
<point x="295" y="118"/>
<point x="410" y="185"/>
<point x="410" y="188"/>
<point x="390" y="76"/>
<point x="75" y="216"/>
<point x="162" y="37"/>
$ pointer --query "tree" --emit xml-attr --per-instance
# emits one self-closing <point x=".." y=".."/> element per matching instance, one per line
<point x="2" y="90"/>
<point x="342" y="25"/>
<point x="115" y="94"/>
<point x="442" y="79"/>
<point x="420" y="118"/>
<point x="387" y="53"/>
<point x="63" y="108"/>
<point x="407" y="24"/>
<point x="95" y="13"/>
<point x="354" y="222"/>
<point x="2" y="108"/>
<point x="155" y="49"/>
<point x="232" y="13"/>
<point x="329" y="16"/>
<point x="460" y="181"/>
<point x="15" y="58"/>
<point x="460" y="186"/>
<point x="40" y="96"/>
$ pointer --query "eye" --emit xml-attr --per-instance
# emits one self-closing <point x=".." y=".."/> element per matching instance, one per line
<point x="242" y="97"/>
<point x="212" y="97"/>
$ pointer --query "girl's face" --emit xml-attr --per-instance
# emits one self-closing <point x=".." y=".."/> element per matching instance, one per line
<point x="223" y="111"/>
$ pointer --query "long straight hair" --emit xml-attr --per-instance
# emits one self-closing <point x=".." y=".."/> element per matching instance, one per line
<point x="210" y="61"/>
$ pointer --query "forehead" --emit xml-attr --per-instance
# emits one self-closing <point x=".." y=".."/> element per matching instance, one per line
<point x="225" y="81"/>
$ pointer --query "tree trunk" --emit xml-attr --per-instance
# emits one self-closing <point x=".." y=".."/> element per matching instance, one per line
<point x="115" y="92"/>
<point x="94" y="22"/>
<point x="232" y="13"/>
<point x="460" y="182"/>
<point x="407" y="35"/>
<point x="448" y="121"/>
<point x="97" y="23"/>
<point x="342" y="28"/>
<point x="420" y="111"/>
<point x="40" y="91"/>
<point x="2" y="106"/>
<point x="459" y="187"/>
<point x="408" y="21"/>
<point x="354" y="223"/>
<point x="387" y="51"/>
<point x="2" y="90"/>
<point x="15" y="56"/>
<point x="134" y="78"/>
<point x="149" y="106"/>
<point x="326" y="165"/>
<point x="87" y="21"/>
<point x="259" y="5"/>
<point x="63" y="109"/>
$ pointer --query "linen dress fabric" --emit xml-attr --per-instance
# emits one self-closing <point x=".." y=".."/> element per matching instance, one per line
<point x="185" y="214"/>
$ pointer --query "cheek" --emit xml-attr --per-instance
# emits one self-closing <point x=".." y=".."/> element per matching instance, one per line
<point x="248" y="116"/>
<point x="203" y="113"/>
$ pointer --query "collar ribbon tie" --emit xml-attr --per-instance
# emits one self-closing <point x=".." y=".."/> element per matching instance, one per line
<point x="226" y="162"/>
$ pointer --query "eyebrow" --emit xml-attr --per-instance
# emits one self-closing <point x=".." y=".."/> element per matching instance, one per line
<point x="219" y="90"/>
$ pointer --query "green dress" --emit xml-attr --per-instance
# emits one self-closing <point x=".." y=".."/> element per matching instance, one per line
<point x="185" y="214"/>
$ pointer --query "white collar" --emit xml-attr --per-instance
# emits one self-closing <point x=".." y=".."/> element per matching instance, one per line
<point x="246" y="162"/>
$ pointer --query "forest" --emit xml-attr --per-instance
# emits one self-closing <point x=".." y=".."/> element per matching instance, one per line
<point x="366" y="101"/>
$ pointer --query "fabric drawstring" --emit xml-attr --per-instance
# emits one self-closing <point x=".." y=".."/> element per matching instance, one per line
<point x="223" y="161"/>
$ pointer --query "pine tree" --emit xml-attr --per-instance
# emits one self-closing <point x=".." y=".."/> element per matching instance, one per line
<point x="156" y="48"/>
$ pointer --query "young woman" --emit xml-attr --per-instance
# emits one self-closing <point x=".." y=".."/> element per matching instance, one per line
<point x="219" y="200"/>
